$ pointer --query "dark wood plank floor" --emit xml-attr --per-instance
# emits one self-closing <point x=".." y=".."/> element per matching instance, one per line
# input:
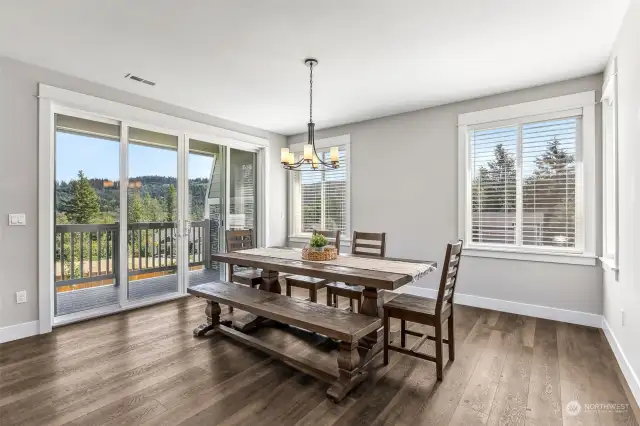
<point x="144" y="367"/>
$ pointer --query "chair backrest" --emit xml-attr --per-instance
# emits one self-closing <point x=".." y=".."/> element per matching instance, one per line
<point x="449" y="275"/>
<point x="369" y="243"/>
<point x="330" y="234"/>
<point x="239" y="240"/>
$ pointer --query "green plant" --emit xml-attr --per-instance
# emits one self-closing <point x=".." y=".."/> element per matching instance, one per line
<point x="318" y="241"/>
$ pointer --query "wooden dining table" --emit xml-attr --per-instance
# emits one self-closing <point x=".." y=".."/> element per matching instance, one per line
<point x="374" y="280"/>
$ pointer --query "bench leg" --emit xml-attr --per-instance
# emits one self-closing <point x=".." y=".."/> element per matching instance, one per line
<point x="212" y="311"/>
<point x="329" y="297"/>
<point x="349" y="373"/>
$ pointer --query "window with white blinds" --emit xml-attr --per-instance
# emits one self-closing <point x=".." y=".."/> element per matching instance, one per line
<point x="523" y="186"/>
<point x="320" y="199"/>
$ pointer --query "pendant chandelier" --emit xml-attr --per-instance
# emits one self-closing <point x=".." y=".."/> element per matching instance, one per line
<point x="310" y="155"/>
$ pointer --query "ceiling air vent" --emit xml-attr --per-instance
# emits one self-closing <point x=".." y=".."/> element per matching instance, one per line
<point x="140" y="79"/>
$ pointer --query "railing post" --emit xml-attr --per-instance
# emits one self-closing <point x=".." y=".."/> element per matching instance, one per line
<point x="207" y="243"/>
<point x="115" y="244"/>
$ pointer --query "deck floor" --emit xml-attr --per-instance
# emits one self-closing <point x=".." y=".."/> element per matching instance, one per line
<point x="90" y="298"/>
<point x="145" y="367"/>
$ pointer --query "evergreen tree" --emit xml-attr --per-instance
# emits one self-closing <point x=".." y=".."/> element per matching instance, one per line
<point x="171" y="204"/>
<point x="550" y="190"/>
<point x="84" y="204"/>
<point x="495" y="185"/>
<point x="135" y="212"/>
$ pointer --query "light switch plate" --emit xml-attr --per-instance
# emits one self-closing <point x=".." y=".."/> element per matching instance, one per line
<point x="21" y="296"/>
<point x="17" y="219"/>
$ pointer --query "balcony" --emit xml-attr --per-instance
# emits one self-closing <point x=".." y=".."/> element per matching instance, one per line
<point x="87" y="266"/>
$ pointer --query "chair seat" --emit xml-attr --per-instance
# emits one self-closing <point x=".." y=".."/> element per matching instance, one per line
<point x="249" y="274"/>
<point x="306" y="282"/>
<point x="411" y="303"/>
<point x="343" y="289"/>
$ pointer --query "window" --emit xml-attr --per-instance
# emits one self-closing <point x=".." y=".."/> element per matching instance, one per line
<point x="610" y="173"/>
<point x="320" y="200"/>
<point x="523" y="179"/>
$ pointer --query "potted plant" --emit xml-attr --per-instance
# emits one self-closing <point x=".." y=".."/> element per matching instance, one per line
<point x="318" y="242"/>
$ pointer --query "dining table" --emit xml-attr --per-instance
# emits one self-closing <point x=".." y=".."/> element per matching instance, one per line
<point x="379" y="277"/>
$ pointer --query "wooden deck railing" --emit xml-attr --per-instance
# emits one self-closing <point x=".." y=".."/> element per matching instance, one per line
<point x="89" y="252"/>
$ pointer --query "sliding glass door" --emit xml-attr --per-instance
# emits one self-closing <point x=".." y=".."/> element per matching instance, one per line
<point x="154" y="230"/>
<point x="139" y="211"/>
<point x="206" y="209"/>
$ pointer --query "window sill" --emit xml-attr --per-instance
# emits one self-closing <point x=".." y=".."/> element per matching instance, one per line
<point x="304" y="239"/>
<point x="523" y="255"/>
<point x="609" y="264"/>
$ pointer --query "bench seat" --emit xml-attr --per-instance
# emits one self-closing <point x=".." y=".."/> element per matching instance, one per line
<point x="335" y="323"/>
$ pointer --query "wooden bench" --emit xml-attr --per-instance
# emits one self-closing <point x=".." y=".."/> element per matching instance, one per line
<point x="347" y="327"/>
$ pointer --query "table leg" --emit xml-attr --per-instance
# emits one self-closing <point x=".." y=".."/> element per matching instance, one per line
<point x="269" y="283"/>
<point x="372" y="344"/>
<point x="212" y="311"/>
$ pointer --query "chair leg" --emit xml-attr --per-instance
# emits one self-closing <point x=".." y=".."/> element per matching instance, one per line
<point x="385" y="330"/>
<point x="403" y="331"/>
<point x="313" y="295"/>
<point x="439" y="360"/>
<point x="359" y="300"/>
<point x="351" y="304"/>
<point x="451" y="338"/>
<point x="335" y="300"/>
<point x="329" y="297"/>
<point x="288" y="289"/>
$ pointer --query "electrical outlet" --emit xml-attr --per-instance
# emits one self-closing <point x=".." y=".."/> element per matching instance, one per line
<point x="622" y="316"/>
<point x="21" y="296"/>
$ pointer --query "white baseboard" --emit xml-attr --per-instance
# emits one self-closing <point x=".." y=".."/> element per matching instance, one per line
<point x="19" y="331"/>
<point x="623" y="362"/>
<point x="538" y="311"/>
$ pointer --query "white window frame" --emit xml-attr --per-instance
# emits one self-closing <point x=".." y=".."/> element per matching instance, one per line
<point x="53" y="100"/>
<point x="582" y="104"/>
<point x="609" y="260"/>
<point x="295" y="235"/>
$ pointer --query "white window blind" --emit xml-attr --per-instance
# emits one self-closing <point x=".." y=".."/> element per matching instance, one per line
<point x="523" y="184"/>
<point x="320" y="198"/>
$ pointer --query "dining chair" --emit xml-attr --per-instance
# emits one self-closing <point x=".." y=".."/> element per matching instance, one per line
<point x="242" y="240"/>
<point x="422" y="310"/>
<point x="310" y="283"/>
<point x="363" y="244"/>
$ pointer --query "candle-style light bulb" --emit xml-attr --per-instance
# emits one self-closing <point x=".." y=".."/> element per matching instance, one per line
<point x="315" y="162"/>
<point x="292" y="158"/>
<point x="335" y="155"/>
<point x="284" y="155"/>
<point x="308" y="153"/>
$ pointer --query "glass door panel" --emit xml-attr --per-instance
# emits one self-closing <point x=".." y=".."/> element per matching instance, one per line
<point x="206" y="209"/>
<point x="242" y="186"/>
<point x="87" y="210"/>
<point x="153" y="231"/>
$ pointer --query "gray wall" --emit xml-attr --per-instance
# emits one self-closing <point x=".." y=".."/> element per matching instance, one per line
<point x="623" y="292"/>
<point x="404" y="182"/>
<point x="19" y="174"/>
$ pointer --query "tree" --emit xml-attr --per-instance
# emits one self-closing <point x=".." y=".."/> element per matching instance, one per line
<point x="135" y="212"/>
<point x="170" y="207"/>
<point x="550" y="190"/>
<point x="84" y="204"/>
<point x="494" y="187"/>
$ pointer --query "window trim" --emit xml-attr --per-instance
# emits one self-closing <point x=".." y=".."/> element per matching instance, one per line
<point x="303" y="237"/>
<point x="581" y="103"/>
<point x="609" y="261"/>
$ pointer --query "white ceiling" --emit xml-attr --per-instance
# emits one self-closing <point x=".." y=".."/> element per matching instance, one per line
<point x="242" y="59"/>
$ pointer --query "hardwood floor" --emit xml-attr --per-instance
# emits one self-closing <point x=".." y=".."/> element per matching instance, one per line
<point x="144" y="367"/>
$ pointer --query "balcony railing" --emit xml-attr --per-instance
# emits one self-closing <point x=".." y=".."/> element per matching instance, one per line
<point x="88" y="253"/>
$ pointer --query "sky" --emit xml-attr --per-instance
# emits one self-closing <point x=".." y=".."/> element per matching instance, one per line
<point x="99" y="158"/>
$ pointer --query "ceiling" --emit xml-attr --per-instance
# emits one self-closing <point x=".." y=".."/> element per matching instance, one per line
<point x="243" y="59"/>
